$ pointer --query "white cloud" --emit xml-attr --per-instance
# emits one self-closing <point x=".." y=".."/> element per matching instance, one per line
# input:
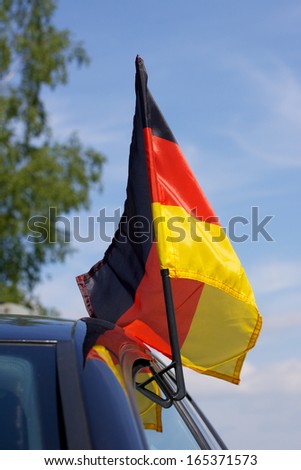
<point x="274" y="276"/>
<point x="275" y="135"/>
<point x="261" y="413"/>
<point x="284" y="319"/>
<point x="280" y="88"/>
<point x="95" y="127"/>
<point x="278" y="378"/>
<point x="282" y="377"/>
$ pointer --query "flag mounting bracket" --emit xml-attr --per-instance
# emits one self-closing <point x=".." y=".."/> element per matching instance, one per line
<point x="180" y="391"/>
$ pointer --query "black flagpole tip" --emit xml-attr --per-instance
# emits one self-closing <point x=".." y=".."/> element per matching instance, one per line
<point x="139" y="60"/>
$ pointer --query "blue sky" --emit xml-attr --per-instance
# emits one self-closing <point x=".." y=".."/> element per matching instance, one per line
<point x="226" y="75"/>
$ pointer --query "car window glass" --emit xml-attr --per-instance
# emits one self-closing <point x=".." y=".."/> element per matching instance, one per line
<point x="209" y="433"/>
<point x="28" y="397"/>
<point x="164" y="427"/>
<point x="174" y="434"/>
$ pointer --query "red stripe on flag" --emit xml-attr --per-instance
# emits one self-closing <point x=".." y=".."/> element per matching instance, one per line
<point x="172" y="181"/>
<point x="149" y="306"/>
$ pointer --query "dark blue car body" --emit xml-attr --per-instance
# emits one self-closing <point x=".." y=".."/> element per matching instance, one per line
<point x="72" y="385"/>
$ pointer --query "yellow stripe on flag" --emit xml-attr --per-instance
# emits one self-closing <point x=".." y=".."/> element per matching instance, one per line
<point x="198" y="250"/>
<point x="221" y="324"/>
<point x="226" y="322"/>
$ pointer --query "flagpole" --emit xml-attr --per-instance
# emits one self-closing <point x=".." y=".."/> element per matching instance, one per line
<point x="173" y="335"/>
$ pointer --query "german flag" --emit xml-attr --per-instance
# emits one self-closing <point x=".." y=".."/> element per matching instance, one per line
<point x="169" y="224"/>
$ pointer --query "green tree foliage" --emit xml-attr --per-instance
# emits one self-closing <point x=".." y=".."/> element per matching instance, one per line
<point x="37" y="172"/>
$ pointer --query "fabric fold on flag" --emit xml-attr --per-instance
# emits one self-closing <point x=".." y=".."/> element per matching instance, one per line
<point x="168" y="223"/>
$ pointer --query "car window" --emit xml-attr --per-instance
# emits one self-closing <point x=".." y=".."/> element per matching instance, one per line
<point x="174" y="433"/>
<point x="164" y="428"/>
<point x="29" y="408"/>
<point x="209" y="434"/>
<point x="180" y="426"/>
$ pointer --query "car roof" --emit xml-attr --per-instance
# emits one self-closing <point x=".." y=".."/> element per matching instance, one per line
<point x="85" y="333"/>
<point x="35" y="328"/>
